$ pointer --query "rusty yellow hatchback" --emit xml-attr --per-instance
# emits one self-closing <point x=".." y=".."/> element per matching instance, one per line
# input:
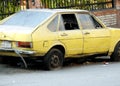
<point x="52" y="35"/>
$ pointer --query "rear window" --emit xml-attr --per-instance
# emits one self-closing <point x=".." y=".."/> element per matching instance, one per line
<point x="28" y="18"/>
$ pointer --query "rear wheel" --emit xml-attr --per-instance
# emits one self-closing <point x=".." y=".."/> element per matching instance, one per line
<point x="116" y="54"/>
<point x="53" y="59"/>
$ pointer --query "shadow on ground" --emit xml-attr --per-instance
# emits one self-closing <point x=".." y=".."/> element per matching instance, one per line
<point x="11" y="62"/>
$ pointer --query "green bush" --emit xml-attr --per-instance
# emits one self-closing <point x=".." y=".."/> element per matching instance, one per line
<point x="8" y="7"/>
<point x="80" y="4"/>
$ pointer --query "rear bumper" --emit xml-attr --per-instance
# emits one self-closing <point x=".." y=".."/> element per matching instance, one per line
<point x="19" y="53"/>
<point x="25" y="52"/>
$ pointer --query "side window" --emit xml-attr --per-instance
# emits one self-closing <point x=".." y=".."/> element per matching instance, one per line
<point x="69" y="22"/>
<point x="53" y="24"/>
<point x="88" y="22"/>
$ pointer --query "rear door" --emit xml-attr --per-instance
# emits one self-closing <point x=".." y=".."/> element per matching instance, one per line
<point x="70" y="34"/>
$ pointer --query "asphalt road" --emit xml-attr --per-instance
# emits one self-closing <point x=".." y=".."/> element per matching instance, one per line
<point x="87" y="74"/>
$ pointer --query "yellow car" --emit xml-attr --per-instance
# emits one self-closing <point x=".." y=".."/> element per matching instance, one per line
<point x="52" y="35"/>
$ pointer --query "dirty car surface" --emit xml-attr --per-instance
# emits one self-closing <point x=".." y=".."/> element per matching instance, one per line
<point x="53" y="35"/>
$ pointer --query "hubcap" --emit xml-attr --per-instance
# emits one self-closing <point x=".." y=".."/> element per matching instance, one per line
<point x="55" y="61"/>
<point x="119" y="51"/>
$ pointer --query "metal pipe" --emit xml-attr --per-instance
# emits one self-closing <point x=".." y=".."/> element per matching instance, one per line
<point x="17" y="52"/>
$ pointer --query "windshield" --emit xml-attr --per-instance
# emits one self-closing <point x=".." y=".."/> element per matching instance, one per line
<point x="28" y="18"/>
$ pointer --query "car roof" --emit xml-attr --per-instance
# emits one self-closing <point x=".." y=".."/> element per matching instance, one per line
<point x="58" y="10"/>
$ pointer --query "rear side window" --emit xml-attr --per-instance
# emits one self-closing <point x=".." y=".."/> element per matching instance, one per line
<point x="53" y="24"/>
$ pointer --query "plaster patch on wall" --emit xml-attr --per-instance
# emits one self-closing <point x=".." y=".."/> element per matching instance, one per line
<point x="109" y="20"/>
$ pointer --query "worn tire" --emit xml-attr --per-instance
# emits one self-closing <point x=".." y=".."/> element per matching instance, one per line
<point x="116" y="54"/>
<point x="53" y="59"/>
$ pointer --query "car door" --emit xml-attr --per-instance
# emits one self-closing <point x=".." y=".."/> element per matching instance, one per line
<point x="70" y="34"/>
<point x="96" y="36"/>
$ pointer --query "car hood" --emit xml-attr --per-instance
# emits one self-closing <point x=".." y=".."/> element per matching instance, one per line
<point x="16" y="33"/>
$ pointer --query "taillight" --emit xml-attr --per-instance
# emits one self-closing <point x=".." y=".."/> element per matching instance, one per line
<point x="24" y="44"/>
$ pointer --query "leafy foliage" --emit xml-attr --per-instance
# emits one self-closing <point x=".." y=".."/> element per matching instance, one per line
<point x="78" y="4"/>
<point x="8" y="7"/>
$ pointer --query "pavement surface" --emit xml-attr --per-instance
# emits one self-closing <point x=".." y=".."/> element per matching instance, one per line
<point x="87" y="74"/>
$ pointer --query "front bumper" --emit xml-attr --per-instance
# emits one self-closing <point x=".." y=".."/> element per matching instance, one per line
<point x="25" y="52"/>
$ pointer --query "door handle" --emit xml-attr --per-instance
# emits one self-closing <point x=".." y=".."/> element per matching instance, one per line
<point x="86" y="33"/>
<point x="64" y="34"/>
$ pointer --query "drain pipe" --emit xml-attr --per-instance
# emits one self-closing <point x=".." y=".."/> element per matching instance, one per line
<point x="17" y="52"/>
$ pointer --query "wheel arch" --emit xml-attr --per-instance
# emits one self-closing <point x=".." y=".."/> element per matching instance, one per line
<point x="115" y="56"/>
<point x="117" y="44"/>
<point x="112" y="49"/>
<point x="54" y="58"/>
<point x="60" y="47"/>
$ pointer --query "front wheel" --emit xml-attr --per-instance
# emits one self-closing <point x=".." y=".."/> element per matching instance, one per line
<point x="116" y="54"/>
<point x="53" y="59"/>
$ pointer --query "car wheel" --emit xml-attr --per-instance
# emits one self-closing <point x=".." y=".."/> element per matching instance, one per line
<point x="116" y="54"/>
<point x="53" y="59"/>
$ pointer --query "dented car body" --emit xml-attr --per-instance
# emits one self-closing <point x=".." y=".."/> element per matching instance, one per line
<point x="57" y="34"/>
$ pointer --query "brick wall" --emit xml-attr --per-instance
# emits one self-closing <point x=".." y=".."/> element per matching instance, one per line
<point x="118" y="18"/>
<point x="109" y="17"/>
